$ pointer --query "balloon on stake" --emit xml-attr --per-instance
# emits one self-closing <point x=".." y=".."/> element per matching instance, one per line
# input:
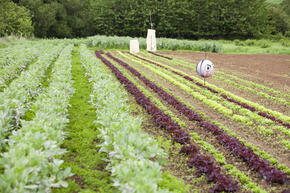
<point x="205" y="68"/>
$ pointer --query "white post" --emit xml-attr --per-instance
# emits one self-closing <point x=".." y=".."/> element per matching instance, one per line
<point x="134" y="46"/>
<point x="151" y="40"/>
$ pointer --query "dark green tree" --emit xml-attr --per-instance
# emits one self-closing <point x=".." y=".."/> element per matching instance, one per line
<point x="14" y="19"/>
<point x="285" y="6"/>
<point x="230" y="18"/>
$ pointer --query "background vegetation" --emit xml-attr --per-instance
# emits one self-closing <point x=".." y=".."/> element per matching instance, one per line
<point x="187" y="19"/>
<point x="14" y="19"/>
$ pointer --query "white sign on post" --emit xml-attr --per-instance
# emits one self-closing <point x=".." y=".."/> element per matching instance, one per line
<point x="134" y="46"/>
<point x="151" y="40"/>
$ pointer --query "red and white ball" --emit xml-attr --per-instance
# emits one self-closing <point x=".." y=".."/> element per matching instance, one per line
<point x="205" y="68"/>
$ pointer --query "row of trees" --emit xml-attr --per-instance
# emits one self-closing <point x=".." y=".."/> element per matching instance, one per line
<point x="189" y="19"/>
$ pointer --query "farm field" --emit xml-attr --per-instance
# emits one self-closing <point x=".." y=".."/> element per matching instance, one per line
<point x="79" y="118"/>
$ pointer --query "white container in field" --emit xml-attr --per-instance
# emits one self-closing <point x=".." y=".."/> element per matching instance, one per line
<point x="134" y="46"/>
<point x="205" y="68"/>
<point x="151" y="40"/>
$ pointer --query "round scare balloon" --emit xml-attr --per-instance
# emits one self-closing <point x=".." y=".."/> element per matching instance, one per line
<point x="205" y="68"/>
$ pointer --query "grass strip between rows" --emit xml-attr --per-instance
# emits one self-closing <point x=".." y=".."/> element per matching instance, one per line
<point x="82" y="156"/>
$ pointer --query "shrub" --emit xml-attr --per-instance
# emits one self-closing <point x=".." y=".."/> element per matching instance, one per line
<point x="285" y="42"/>
<point x="264" y="43"/>
<point x="250" y="42"/>
<point x="239" y="43"/>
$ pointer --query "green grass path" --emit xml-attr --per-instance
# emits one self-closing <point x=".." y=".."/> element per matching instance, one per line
<point x="82" y="155"/>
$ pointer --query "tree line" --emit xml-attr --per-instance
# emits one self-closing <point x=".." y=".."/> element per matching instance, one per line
<point x="188" y="19"/>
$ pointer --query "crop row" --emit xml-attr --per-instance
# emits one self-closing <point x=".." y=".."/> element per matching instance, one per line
<point x="222" y="183"/>
<point x="227" y="96"/>
<point x="263" y="94"/>
<point x="239" y="80"/>
<point x="9" y="54"/>
<point x="255" y="85"/>
<point x="269" y="173"/>
<point x="30" y="163"/>
<point x="168" y="58"/>
<point x="15" y="99"/>
<point x="259" y="152"/>
<point x="149" y="95"/>
<point x="218" y="156"/>
<point x="173" y="62"/>
<point x="130" y="150"/>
